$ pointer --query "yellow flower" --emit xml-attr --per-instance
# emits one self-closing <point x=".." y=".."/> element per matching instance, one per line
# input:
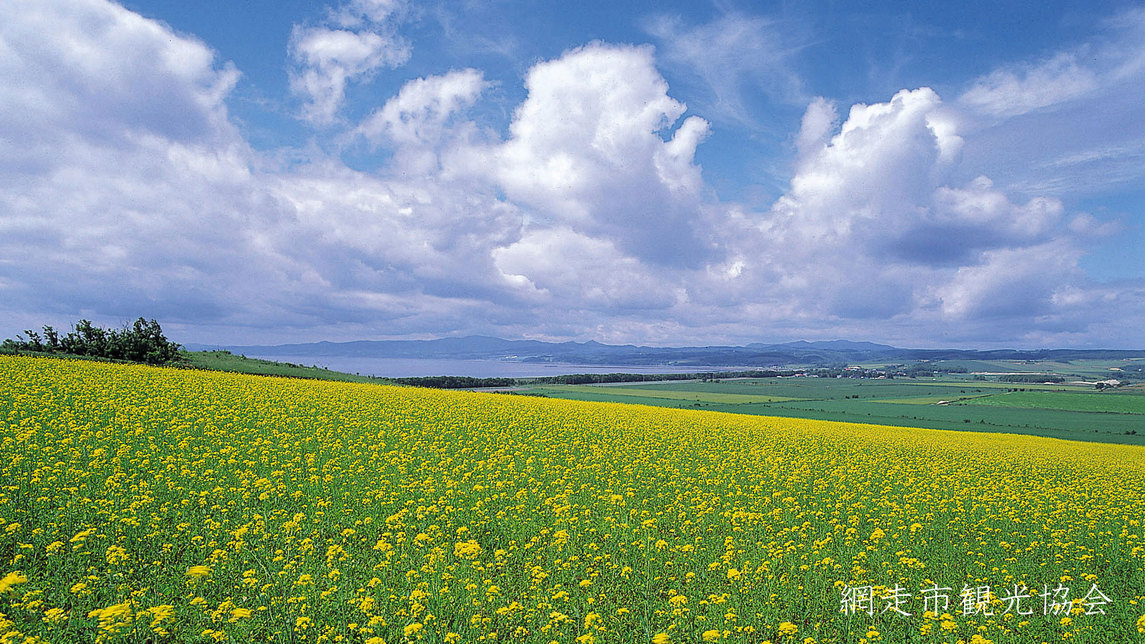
<point x="787" y="628"/>
<point x="11" y="579"/>
<point x="160" y="613"/>
<point x="197" y="572"/>
<point x="53" y="615"/>
<point x="711" y="636"/>
<point x="467" y="549"/>
<point x="661" y="638"/>
<point x="114" y="618"/>
<point x="411" y="629"/>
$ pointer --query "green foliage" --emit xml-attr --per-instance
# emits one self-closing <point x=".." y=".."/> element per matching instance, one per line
<point x="143" y="341"/>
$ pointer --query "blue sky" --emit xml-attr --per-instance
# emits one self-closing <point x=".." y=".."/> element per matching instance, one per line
<point x="666" y="173"/>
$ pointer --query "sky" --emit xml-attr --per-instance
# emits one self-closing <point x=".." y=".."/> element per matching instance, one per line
<point x="658" y="173"/>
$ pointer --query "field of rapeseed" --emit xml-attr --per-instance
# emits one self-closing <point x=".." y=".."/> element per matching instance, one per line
<point x="142" y="504"/>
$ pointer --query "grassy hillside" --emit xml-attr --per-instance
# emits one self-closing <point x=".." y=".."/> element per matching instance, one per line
<point x="227" y="361"/>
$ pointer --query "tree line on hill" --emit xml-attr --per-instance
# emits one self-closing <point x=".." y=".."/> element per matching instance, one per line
<point x="142" y="341"/>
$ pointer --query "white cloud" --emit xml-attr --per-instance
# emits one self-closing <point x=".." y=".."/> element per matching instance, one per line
<point x="423" y="117"/>
<point x="818" y="121"/>
<point x="872" y="228"/>
<point x="357" y="12"/>
<point x="326" y="59"/>
<point x="107" y="74"/>
<point x="419" y="111"/>
<point x="1068" y="124"/>
<point x="563" y="267"/>
<point x="732" y="57"/>
<point x="586" y="152"/>
<point x="1011" y="283"/>
<point x="875" y="173"/>
<point x="422" y="235"/>
<point x="1009" y="92"/>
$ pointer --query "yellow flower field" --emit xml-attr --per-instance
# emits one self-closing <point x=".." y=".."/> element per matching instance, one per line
<point x="157" y="505"/>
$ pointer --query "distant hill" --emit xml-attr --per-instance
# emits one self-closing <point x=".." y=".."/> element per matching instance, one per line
<point x="594" y="353"/>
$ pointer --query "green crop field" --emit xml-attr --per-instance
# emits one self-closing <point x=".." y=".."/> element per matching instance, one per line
<point x="1073" y="412"/>
<point x="1126" y="403"/>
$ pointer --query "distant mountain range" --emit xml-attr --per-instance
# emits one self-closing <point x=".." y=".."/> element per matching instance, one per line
<point x="595" y="353"/>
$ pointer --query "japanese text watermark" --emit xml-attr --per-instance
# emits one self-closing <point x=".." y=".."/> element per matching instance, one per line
<point x="971" y="600"/>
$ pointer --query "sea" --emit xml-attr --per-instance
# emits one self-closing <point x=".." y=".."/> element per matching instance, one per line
<point x="415" y="367"/>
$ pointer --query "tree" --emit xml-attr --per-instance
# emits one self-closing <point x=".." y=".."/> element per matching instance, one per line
<point x="143" y="341"/>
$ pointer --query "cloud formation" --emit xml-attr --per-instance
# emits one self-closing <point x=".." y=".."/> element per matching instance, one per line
<point x="1066" y="124"/>
<point x="731" y="57"/>
<point x="127" y="190"/>
<point x="586" y="151"/>
<point x="362" y="40"/>
<point x="124" y="185"/>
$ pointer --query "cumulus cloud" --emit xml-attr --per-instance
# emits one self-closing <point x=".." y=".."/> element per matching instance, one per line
<point x="107" y="74"/>
<point x="422" y="118"/>
<point x="562" y="265"/>
<point x="122" y="172"/>
<point x="326" y="58"/>
<point x="1020" y="282"/>
<point x="587" y="151"/>
<point x="113" y="212"/>
<point x="872" y="227"/>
